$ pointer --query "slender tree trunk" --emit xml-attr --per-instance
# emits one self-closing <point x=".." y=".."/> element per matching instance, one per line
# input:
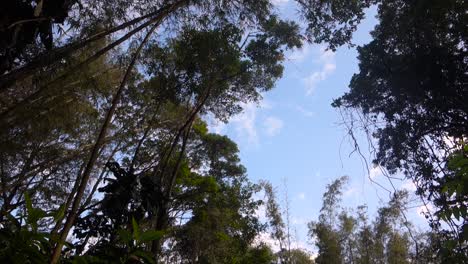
<point x="101" y="176"/>
<point x="162" y="212"/>
<point x="75" y="68"/>
<point x="350" y="251"/>
<point x="288" y="227"/>
<point x="69" y="200"/>
<point x="142" y="139"/>
<point x="50" y="57"/>
<point x="15" y="187"/>
<point x="4" y="188"/>
<point x="99" y="141"/>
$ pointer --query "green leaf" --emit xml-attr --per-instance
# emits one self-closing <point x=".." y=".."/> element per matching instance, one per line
<point x="60" y="213"/>
<point x="451" y="189"/>
<point x="448" y="213"/>
<point x="459" y="190"/>
<point x="151" y="235"/>
<point x="465" y="232"/>
<point x="145" y="256"/>
<point x="450" y="244"/>
<point x="136" y="229"/>
<point x="200" y="127"/>
<point x="125" y="236"/>
<point x="456" y="212"/>
<point x="28" y="203"/>
<point x="33" y="214"/>
<point x="463" y="211"/>
<point x="79" y="260"/>
<point x="444" y="189"/>
<point x="13" y="220"/>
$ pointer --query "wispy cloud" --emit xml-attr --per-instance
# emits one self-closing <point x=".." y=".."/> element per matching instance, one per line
<point x="328" y="66"/>
<point x="245" y="123"/>
<point x="215" y="125"/>
<point x="273" y="125"/>
<point x="279" y="2"/>
<point x="408" y="185"/>
<point x="299" y="55"/>
<point x="265" y="237"/>
<point x="423" y="210"/>
<point x="304" y="111"/>
<point x="261" y="212"/>
<point x="351" y="192"/>
<point x="375" y="171"/>
<point x="301" y="196"/>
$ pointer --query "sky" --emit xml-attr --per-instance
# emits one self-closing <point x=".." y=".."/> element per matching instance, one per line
<point x="294" y="138"/>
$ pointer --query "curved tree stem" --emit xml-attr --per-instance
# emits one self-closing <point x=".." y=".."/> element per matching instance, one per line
<point x="94" y="154"/>
<point x="52" y="56"/>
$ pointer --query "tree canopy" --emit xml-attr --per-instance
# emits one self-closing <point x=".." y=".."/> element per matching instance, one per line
<point x="412" y="92"/>
<point x="105" y="156"/>
<point x="345" y="235"/>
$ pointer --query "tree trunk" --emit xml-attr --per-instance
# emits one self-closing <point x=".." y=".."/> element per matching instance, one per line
<point x="50" y="57"/>
<point x="94" y="154"/>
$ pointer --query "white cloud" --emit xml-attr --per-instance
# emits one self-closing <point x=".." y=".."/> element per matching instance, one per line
<point x="273" y="125"/>
<point x="304" y="111"/>
<point x="422" y="210"/>
<point x="375" y="171"/>
<point x="245" y="123"/>
<point x="326" y="55"/>
<point x="299" y="55"/>
<point x="215" y="125"/>
<point x="449" y="141"/>
<point x="301" y="196"/>
<point x="279" y="2"/>
<point x="296" y="223"/>
<point x="265" y="104"/>
<point x="261" y="212"/>
<point x="299" y="220"/>
<point x="265" y="237"/>
<point x="408" y="185"/>
<point x="350" y="192"/>
<point x="327" y="59"/>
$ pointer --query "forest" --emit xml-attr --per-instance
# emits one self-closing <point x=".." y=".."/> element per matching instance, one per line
<point x="106" y="155"/>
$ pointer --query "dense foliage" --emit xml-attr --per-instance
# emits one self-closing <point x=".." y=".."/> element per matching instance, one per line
<point x="103" y="149"/>
<point x="411" y="89"/>
<point x="342" y="235"/>
<point x="105" y="157"/>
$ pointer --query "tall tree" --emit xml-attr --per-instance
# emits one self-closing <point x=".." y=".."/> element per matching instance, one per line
<point x="209" y="218"/>
<point x="323" y="231"/>
<point x="345" y="236"/>
<point x="207" y="67"/>
<point x="411" y="92"/>
<point x="275" y="218"/>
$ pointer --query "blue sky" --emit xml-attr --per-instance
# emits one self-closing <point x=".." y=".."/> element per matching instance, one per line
<point x="295" y="136"/>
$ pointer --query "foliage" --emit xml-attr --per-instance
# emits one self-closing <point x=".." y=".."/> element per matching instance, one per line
<point x="411" y="92"/>
<point x="61" y="103"/>
<point x="101" y="108"/>
<point x="327" y="239"/>
<point x="25" y="21"/>
<point x="261" y="254"/>
<point x="333" y="21"/>
<point x="217" y="204"/>
<point x="298" y="256"/>
<point x="25" y="243"/>
<point x="348" y="237"/>
<point x="273" y="212"/>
